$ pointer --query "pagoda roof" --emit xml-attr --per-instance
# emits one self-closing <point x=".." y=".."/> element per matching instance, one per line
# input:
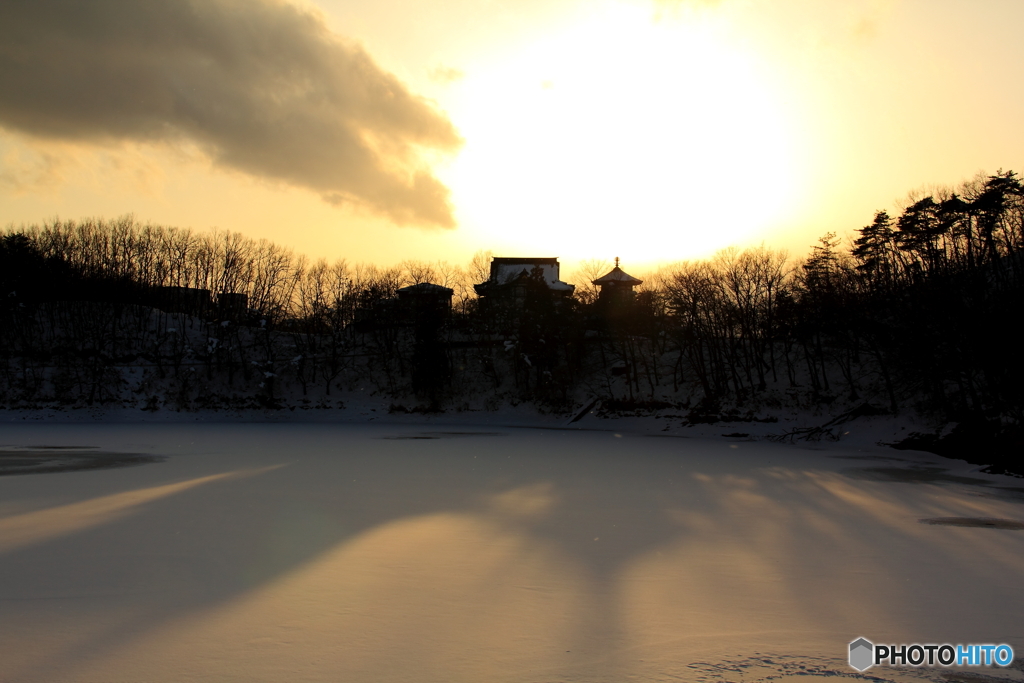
<point x="617" y="276"/>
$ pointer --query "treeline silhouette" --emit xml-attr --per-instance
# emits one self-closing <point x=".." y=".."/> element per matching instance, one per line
<point x="918" y="312"/>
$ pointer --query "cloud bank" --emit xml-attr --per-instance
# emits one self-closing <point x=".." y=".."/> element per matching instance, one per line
<point x="261" y="85"/>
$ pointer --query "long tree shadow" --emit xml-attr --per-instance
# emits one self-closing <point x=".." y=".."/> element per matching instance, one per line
<point x="553" y="546"/>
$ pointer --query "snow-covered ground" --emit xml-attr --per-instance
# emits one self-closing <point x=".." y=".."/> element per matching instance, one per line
<point x="438" y="549"/>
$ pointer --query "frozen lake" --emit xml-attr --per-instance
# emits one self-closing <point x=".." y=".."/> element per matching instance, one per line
<point x="313" y="552"/>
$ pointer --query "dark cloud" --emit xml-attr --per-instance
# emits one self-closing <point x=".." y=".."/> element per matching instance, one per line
<point x="263" y="86"/>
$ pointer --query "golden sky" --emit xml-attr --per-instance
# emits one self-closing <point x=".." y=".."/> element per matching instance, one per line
<point x="394" y="130"/>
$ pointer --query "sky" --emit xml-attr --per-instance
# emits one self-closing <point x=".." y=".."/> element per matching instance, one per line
<point x="653" y="130"/>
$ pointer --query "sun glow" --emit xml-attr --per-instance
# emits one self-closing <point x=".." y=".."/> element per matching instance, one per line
<point x="622" y="135"/>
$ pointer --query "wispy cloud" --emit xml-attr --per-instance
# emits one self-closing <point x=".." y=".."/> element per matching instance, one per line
<point x="29" y="170"/>
<point x="261" y="85"/>
<point x="445" y="74"/>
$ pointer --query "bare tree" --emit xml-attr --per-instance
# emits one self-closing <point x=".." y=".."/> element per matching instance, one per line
<point x="583" y="277"/>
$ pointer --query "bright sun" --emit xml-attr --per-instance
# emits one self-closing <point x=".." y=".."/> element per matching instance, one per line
<point x="622" y="136"/>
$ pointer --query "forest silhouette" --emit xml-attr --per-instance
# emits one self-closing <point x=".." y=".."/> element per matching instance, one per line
<point x="916" y="314"/>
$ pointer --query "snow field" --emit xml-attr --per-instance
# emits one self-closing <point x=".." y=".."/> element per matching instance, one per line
<point x="427" y="552"/>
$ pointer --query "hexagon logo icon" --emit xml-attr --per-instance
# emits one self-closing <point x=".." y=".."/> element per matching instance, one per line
<point x="862" y="654"/>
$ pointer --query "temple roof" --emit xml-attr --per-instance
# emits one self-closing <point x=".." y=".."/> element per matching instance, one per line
<point x="525" y="260"/>
<point x="506" y="270"/>
<point x="617" y="276"/>
<point x="426" y="288"/>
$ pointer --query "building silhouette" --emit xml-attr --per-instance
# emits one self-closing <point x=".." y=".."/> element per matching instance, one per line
<point x="616" y="290"/>
<point x="515" y="280"/>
